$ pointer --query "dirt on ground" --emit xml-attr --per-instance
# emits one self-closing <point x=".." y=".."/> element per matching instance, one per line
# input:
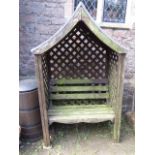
<point x="84" y="139"/>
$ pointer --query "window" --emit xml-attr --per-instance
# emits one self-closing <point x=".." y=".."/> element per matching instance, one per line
<point x="114" y="11"/>
<point x="91" y="6"/>
<point x="107" y="13"/>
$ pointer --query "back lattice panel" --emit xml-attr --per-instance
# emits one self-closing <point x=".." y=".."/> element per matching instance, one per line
<point x="79" y="55"/>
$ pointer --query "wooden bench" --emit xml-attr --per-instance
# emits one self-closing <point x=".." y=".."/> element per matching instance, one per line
<point x="75" y="101"/>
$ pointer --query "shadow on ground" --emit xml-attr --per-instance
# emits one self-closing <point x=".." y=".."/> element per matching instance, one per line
<point x="85" y="139"/>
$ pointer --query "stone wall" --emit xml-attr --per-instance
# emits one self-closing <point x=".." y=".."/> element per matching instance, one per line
<point x="127" y="39"/>
<point x="40" y="19"/>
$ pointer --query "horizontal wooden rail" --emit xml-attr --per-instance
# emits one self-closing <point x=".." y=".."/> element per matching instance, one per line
<point x="78" y="88"/>
<point x="79" y="96"/>
<point x="78" y="81"/>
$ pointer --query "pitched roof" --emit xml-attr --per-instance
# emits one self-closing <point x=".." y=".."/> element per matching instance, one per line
<point x="80" y="14"/>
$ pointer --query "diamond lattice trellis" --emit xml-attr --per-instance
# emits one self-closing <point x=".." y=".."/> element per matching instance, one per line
<point x="112" y="77"/>
<point x="79" y="55"/>
<point x="45" y="76"/>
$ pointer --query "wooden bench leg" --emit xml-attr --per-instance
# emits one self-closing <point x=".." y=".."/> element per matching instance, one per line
<point x="117" y="128"/>
<point x="46" y="136"/>
<point x="47" y="142"/>
<point x="49" y="138"/>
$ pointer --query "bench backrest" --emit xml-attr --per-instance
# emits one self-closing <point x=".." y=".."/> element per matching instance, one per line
<point x="77" y="89"/>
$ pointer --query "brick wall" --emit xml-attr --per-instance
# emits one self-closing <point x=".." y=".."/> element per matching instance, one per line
<point x="40" y="19"/>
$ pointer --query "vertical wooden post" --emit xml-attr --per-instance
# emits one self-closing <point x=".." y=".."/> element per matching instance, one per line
<point x="42" y="100"/>
<point x="118" y="106"/>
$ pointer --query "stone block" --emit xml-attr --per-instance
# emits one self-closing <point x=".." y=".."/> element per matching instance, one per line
<point x="58" y="21"/>
<point x="128" y="95"/>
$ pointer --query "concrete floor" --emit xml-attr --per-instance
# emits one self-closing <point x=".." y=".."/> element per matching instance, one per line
<point x="85" y="139"/>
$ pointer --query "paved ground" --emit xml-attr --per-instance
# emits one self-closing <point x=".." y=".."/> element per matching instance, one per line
<point x="85" y="139"/>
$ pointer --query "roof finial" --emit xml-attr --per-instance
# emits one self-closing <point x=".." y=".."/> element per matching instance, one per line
<point x="80" y="5"/>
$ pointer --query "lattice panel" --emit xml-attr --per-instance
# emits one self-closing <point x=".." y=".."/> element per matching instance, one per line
<point x="113" y="76"/>
<point x="45" y="77"/>
<point x="79" y="55"/>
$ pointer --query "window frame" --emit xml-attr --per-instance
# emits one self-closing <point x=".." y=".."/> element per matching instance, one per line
<point x="69" y="9"/>
<point x="128" y="21"/>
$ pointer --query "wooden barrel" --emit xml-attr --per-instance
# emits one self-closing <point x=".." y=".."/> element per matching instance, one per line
<point x="29" y="112"/>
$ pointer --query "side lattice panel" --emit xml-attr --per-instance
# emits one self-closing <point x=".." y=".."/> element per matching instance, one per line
<point x="45" y="77"/>
<point x="113" y="77"/>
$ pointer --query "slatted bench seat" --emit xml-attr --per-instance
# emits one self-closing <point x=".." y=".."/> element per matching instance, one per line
<point x="81" y="113"/>
<point x="89" y="98"/>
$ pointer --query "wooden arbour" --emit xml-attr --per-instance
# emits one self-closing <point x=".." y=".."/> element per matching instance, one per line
<point x="80" y="73"/>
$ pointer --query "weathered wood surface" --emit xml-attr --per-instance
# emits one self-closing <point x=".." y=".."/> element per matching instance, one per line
<point x="78" y="88"/>
<point x="79" y="96"/>
<point x="78" y="81"/>
<point x="80" y="113"/>
<point x="42" y="100"/>
<point x="118" y="105"/>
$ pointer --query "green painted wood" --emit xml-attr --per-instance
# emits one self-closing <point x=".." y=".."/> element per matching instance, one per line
<point x="79" y="96"/>
<point x="78" y="88"/>
<point x="78" y="81"/>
